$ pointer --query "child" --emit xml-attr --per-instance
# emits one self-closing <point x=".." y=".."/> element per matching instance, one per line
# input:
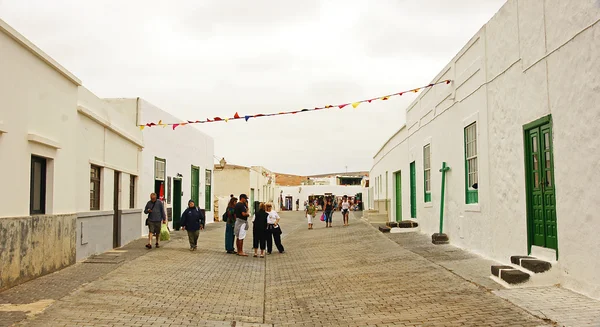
<point x="310" y="214"/>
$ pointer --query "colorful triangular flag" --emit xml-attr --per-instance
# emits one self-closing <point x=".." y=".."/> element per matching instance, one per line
<point x="355" y="104"/>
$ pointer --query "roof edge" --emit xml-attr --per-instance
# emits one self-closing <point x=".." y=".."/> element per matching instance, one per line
<point x="24" y="42"/>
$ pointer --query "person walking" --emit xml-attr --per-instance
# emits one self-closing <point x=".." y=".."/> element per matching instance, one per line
<point x="156" y="214"/>
<point x="193" y="220"/>
<point x="273" y="230"/>
<point x="229" y="227"/>
<point x="345" y="210"/>
<point x="241" y="221"/>
<point x="328" y="210"/>
<point x="310" y="214"/>
<point x="259" y="230"/>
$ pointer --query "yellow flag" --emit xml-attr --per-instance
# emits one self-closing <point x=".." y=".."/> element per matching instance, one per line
<point x="160" y="122"/>
<point x="385" y="98"/>
<point x="226" y="120"/>
<point x="355" y="104"/>
<point x="416" y="90"/>
<point x="142" y="127"/>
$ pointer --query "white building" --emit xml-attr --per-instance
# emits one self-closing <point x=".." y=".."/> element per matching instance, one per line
<point x="288" y="195"/>
<point x="517" y="128"/>
<point x="67" y="160"/>
<point x="109" y="148"/>
<point x="179" y="162"/>
<point x="255" y="181"/>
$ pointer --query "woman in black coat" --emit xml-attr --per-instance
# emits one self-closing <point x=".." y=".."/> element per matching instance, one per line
<point x="193" y="220"/>
<point x="259" y="230"/>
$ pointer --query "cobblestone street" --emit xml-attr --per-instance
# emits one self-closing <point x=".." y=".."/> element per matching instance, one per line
<point x="343" y="276"/>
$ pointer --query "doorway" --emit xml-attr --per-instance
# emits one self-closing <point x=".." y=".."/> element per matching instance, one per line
<point x="116" y="212"/>
<point x="251" y="200"/>
<point x="413" y="190"/>
<point x="398" y="193"/>
<point x="176" y="203"/>
<point x="196" y="185"/>
<point x="541" y="192"/>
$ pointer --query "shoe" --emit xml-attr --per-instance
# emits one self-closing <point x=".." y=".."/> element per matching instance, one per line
<point x="157" y="246"/>
<point x="231" y="252"/>
<point x="148" y="246"/>
<point x="255" y="255"/>
<point x="269" y="253"/>
<point x="191" y="249"/>
<point x="282" y="252"/>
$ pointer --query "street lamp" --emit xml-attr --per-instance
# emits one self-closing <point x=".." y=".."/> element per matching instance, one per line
<point x="222" y="163"/>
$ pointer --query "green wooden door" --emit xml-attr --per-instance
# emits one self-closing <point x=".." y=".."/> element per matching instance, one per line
<point x="398" y="179"/>
<point x="541" y="200"/>
<point x="176" y="203"/>
<point x="207" y="189"/>
<point x="196" y="185"/>
<point x="413" y="190"/>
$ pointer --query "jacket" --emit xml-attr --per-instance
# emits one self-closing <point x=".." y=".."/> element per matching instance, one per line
<point x="158" y="211"/>
<point x="260" y="221"/>
<point x="193" y="218"/>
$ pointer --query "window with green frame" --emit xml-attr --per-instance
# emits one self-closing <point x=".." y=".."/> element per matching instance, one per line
<point x="427" y="172"/>
<point x="471" y="172"/>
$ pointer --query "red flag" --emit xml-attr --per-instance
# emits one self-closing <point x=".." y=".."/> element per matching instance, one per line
<point x="218" y="118"/>
<point x="236" y="116"/>
<point x="342" y="105"/>
<point x="175" y="126"/>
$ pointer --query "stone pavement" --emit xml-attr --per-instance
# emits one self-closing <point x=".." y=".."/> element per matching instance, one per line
<point x="342" y="276"/>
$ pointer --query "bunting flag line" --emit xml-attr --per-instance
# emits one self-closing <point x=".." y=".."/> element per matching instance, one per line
<point x="237" y="116"/>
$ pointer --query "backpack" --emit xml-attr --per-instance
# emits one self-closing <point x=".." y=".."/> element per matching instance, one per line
<point x="224" y="216"/>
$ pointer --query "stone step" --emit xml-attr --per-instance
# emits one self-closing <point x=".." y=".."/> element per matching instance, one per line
<point x="408" y="224"/>
<point x="391" y="224"/>
<point x="513" y="276"/>
<point x="531" y="263"/>
<point x="496" y="270"/>
<point x="384" y="229"/>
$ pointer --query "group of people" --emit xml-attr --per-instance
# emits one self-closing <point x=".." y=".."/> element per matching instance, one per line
<point x="328" y="208"/>
<point x="265" y="225"/>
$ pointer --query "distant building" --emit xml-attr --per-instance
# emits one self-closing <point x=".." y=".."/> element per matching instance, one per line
<point x="256" y="182"/>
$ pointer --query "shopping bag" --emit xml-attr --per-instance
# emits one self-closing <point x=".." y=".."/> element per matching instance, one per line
<point x="164" y="233"/>
<point x="323" y="217"/>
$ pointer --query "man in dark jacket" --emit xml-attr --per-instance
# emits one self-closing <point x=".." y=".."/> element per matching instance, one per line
<point x="193" y="220"/>
<point x="156" y="213"/>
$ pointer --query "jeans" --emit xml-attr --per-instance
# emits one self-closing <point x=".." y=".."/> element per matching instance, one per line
<point x="229" y="237"/>
<point x="193" y="237"/>
<point x="328" y="216"/>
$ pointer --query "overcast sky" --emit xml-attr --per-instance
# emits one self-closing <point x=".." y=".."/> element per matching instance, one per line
<point x="199" y="59"/>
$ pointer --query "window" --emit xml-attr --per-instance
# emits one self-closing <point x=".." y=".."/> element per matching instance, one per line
<point x="471" y="178"/>
<point x="94" y="187"/>
<point x="37" y="191"/>
<point x="427" y="171"/>
<point x="159" y="169"/>
<point x="131" y="192"/>
<point x="207" y="193"/>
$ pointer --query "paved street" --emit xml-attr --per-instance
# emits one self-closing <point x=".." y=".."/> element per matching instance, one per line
<point x="343" y="276"/>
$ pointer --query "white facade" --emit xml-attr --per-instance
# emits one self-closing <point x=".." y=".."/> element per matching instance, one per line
<point x="182" y="150"/>
<point x="256" y="182"/>
<point x="109" y="141"/>
<point x="302" y="192"/>
<point x="38" y="122"/>
<point x="529" y="62"/>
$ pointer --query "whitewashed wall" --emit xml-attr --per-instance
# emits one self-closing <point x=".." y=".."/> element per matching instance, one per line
<point x="38" y="116"/>
<point x="515" y="70"/>
<point x="108" y="138"/>
<point x="182" y="148"/>
<point x="304" y="191"/>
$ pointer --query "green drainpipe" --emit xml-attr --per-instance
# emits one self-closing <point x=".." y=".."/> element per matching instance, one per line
<point x="441" y="238"/>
